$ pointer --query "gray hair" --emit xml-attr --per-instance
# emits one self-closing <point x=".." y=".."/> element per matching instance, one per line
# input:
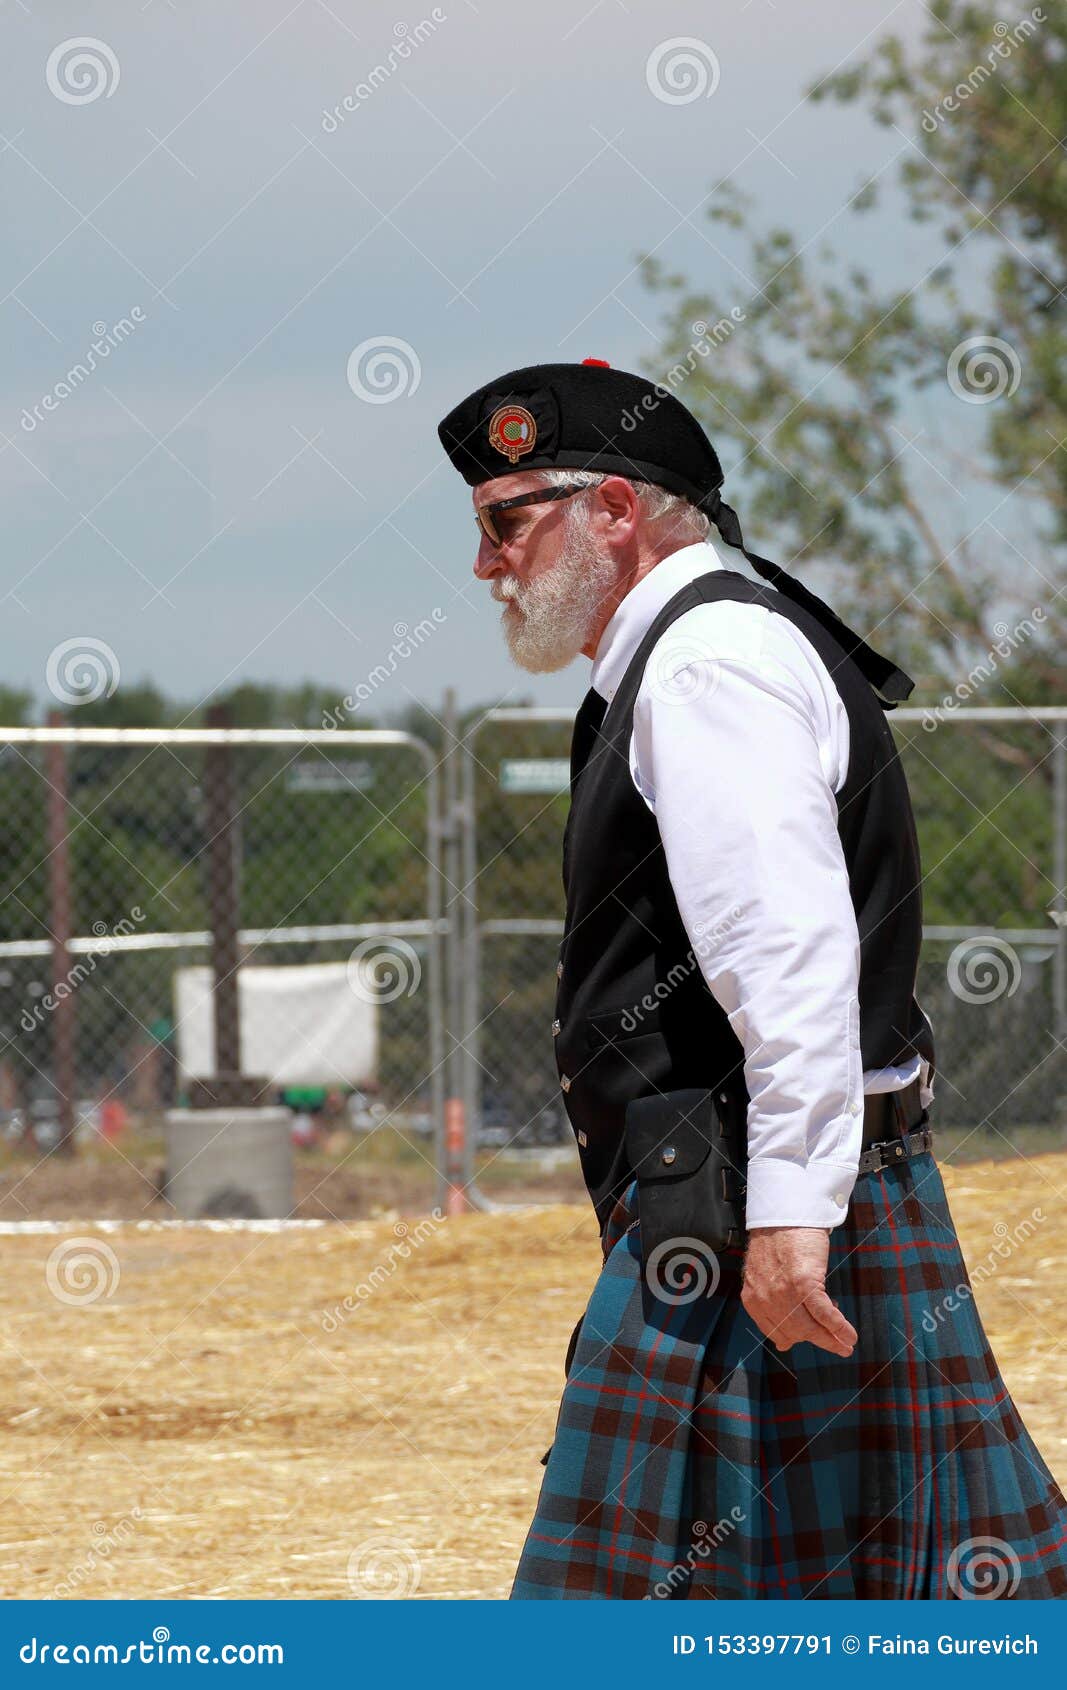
<point x="657" y="503"/>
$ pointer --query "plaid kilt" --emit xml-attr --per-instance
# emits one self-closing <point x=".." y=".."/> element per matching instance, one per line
<point x="693" y="1460"/>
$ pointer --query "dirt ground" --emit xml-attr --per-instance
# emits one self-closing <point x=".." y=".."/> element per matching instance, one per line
<point x="189" y="1411"/>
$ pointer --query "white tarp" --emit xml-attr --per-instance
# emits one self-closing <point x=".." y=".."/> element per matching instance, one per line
<point x="302" y="1026"/>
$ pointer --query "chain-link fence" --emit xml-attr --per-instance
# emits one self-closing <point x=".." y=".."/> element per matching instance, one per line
<point x="110" y="921"/>
<point x="349" y="920"/>
<point x="989" y="789"/>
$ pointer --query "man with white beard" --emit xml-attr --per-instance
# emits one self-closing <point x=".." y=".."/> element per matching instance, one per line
<point x="755" y="1405"/>
<point x="561" y="606"/>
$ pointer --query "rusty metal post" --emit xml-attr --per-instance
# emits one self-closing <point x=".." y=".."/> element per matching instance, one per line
<point x="227" y="1087"/>
<point x="64" y="1067"/>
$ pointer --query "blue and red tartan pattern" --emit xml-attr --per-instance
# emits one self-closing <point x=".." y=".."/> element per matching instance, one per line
<point x="693" y="1460"/>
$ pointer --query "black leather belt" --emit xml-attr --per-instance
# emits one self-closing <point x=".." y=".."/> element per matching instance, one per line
<point x="894" y="1127"/>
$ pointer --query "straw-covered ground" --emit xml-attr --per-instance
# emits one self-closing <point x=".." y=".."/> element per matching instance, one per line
<point x="195" y="1412"/>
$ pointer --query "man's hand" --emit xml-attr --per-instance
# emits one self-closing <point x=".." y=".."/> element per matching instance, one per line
<point x="785" y="1289"/>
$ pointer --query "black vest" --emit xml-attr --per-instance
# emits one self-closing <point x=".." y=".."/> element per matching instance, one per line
<point x="634" y="1014"/>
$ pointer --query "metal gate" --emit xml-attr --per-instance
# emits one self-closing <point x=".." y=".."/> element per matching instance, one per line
<point x="989" y="789"/>
<point x="105" y="898"/>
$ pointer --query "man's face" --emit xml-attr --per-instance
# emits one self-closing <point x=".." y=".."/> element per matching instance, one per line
<point x="547" y="571"/>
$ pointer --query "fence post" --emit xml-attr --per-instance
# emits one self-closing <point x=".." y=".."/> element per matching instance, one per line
<point x="228" y="1087"/>
<point x="472" y="1090"/>
<point x="455" y="1135"/>
<point x="1059" y="879"/>
<point x="63" y="1023"/>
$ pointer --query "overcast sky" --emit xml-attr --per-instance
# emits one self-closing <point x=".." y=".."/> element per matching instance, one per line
<point x="217" y="500"/>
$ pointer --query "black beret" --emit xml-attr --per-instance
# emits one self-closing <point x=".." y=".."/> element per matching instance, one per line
<point x="581" y="416"/>
<point x="589" y="416"/>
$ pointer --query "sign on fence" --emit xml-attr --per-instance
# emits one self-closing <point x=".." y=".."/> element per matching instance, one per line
<point x="535" y="774"/>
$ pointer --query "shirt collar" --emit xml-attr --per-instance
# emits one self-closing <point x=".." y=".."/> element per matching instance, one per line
<point x="639" y="609"/>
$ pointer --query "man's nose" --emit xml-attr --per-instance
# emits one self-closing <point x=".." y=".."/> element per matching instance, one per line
<point x="488" y="561"/>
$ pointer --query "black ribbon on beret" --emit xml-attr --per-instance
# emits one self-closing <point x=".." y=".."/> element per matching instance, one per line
<point x="891" y="684"/>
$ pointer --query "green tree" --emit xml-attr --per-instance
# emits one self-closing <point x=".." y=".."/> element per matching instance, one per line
<point x="815" y="395"/>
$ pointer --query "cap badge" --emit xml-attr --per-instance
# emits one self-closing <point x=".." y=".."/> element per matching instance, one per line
<point x="512" y="431"/>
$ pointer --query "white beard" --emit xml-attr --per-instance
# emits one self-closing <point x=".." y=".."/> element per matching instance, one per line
<point x="550" y="619"/>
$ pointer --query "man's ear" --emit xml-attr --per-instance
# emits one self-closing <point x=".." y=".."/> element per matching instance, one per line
<point x="618" y="496"/>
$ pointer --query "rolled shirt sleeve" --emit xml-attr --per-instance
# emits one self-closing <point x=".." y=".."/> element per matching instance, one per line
<point x="737" y="749"/>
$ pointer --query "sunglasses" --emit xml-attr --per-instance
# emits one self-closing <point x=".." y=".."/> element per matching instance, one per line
<point x="485" y="516"/>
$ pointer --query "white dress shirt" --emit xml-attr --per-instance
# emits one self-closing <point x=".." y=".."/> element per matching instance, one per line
<point x="740" y="743"/>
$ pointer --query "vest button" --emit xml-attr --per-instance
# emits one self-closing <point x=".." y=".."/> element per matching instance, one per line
<point x="564" y="1082"/>
<point x="557" y="1028"/>
<point x="669" y="1155"/>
